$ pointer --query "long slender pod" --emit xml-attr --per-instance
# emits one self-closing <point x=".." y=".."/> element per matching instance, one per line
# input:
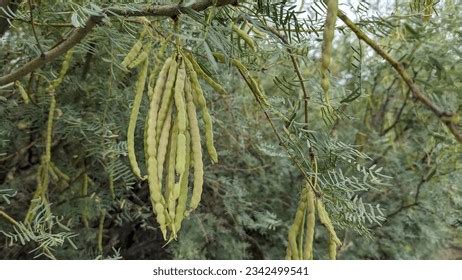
<point x="244" y="36"/>
<point x="181" y="118"/>
<point x="310" y="223"/>
<point x="196" y="152"/>
<point x="296" y="226"/>
<point x="163" y="145"/>
<point x="326" y="55"/>
<point x="171" y="173"/>
<point x="216" y="86"/>
<point x="327" y="223"/>
<point x="183" y="191"/>
<point x="139" y="89"/>
<point x="155" y="94"/>
<point x="167" y="97"/>
<point x="43" y="170"/>
<point x="22" y="92"/>
<point x="157" y="199"/>
<point x="201" y="102"/>
<point x="135" y="50"/>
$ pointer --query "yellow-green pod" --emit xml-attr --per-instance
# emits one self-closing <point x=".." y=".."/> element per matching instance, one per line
<point x="209" y="136"/>
<point x="216" y="86"/>
<point x="180" y="99"/>
<point x="159" y="209"/>
<point x="310" y="223"/>
<point x="139" y="89"/>
<point x="155" y="188"/>
<point x="22" y="92"/>
<point x="59" y="173"/>
<point x="194" y="86"/>
<point x="166" y="97"/>
<point x="196" y="153"/>
<point x="327" y="223"/>
<point x="295" y="228"/>
<point x="134" y="51"/>
<point x="163" y="145"/>
<point x="251" y="82"/>
<point x="181" y="117"/>
<point x="171" y="171"/>
<point x="51" y="114"/>
<point x="181" y="154"/>
<point x="326" y="52"/>
<point x="140" y="59"/>
<point x="151" y="118"/>
<point x="183" y="188"/>
<point x="244" y="36"/>
<point x="62" y="73"/>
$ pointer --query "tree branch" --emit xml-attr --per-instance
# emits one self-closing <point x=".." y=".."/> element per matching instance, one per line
<point x="448" y="118"/>
<point x="79" y="33"/>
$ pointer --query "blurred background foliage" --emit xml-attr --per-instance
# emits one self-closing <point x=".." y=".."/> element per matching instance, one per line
<point x="389" y="169"/>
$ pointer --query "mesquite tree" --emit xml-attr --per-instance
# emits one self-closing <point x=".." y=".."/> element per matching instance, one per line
<point x="218" y="129"/>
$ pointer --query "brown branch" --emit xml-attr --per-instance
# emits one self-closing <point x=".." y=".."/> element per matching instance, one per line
<point x="448" y="118"/>
<point x="79" y="33"/>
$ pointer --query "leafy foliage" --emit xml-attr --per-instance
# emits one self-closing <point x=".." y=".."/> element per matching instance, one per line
<point x="388" y="170"/>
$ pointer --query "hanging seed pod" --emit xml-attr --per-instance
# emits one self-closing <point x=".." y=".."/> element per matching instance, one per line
<point x="201" y="102"/>
<point x="196" y="153"/>
<point x="244" y="36"/>
<point x="159" y="209"/>
<point x="327" y="223"/>
<point x="155" y="189"/>
<point x="326" y="55"/>
<point x="294" y="230"/>
<point x="134" y="51"/>
<point x="183" y="190"/>
<point x="156" y="95"/>
<point x="167" y="97"/>
<point x="251" y="82"/>
<point x="51" y="114"/>
<point x="62" y="73"/>
<point x="216" y="86"/>
<point x="140" y="59"/>
<point x="163" y="145"/>
<point x="22" y="92"/>
<point x="59" y="172"/>
<point x="310" y="223"/>
<point x="171" y="171"/>
<point x="139" y="89"/>
<point x="181" y="118"/>
<point x="44" y="168"/>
